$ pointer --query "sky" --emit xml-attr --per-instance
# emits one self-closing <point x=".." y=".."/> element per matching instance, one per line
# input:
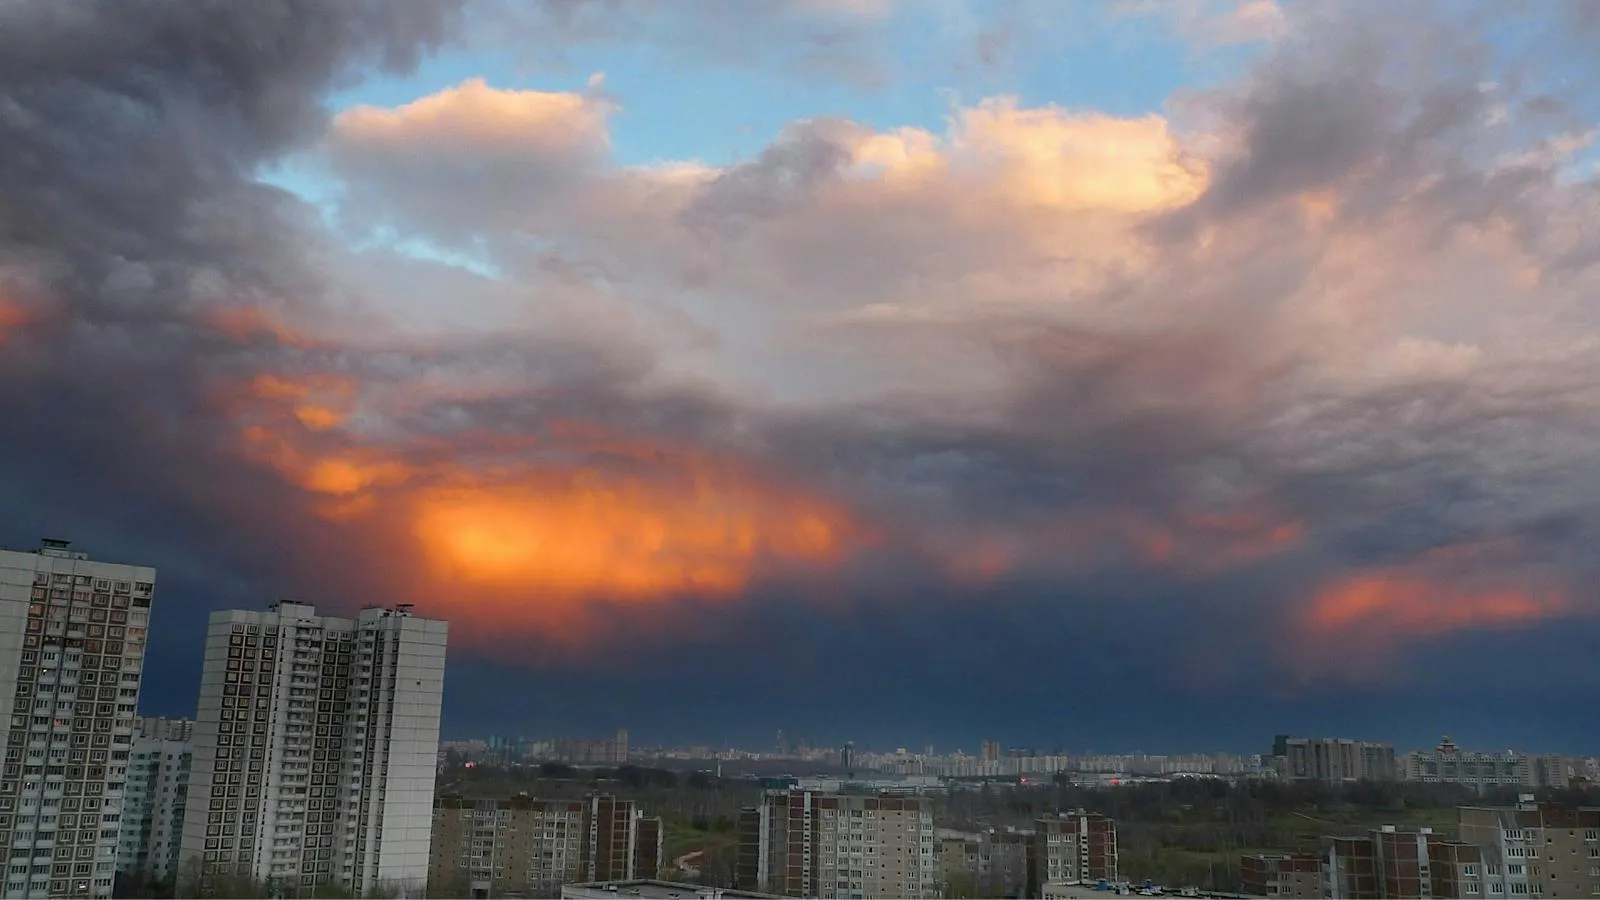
<point x="1094" y="375"/>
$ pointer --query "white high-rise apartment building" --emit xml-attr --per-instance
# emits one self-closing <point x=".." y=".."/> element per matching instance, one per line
<point x="315" y="748"/>
<point x="153" y="807"/>
<point x="72" y="638"/>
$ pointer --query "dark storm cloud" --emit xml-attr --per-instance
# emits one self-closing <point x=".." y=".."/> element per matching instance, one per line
<point x="129" y="215"/>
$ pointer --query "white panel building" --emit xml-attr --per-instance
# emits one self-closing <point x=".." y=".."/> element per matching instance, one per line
<point x="315" y="748"/>
<point x="153" y="807"/>
<point x="72" y="639"/>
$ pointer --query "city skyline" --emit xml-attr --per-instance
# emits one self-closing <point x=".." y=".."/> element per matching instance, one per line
<point x="1133" y="374"/>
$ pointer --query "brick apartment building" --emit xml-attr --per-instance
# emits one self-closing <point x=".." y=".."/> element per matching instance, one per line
<point x="1389" y="864"/>
<point x="1297" y="876"/>
<point x="1073" y="847"/>
<point x="803" y="843"/>
<point x="524" y="845"/>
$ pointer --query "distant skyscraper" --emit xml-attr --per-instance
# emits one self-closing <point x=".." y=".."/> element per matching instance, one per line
<point x="164" y="729"/>
<point x="315" y="748"/>
<point x="1337" y="760"/>
<point x="990" y="751"/>
<point x="847" y="757"/>
<point x="154" y="805"/>
<point x="72" y="639"/>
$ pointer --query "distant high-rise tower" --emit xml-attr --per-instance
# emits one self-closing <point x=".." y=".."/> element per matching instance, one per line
<point x="155" y="803"/>
<point x="990" y="752"/>
<point x="619" y="747"/>
<point x="847" y="758"/>
<point x="72" y="639"/>
<point x="315" y="748"/>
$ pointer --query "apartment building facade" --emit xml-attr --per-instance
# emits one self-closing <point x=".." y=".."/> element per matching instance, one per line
<point x="990" y="863"/>
<point x="1536" y="850"/>
<point x="1073" y="847"/>
<point x="808" y="844"/>
<point x="72" y="643"/>
<point x="532" y="847"/>
<point x="1388" y="864"/>
<point x="1294" y="876"/>
<point x="1334" y="760"/>
<point x="164" y="729"/>
<point x="155" y="800"/>
<point x="315" y="748"/>
<point x="1447" y="763"/>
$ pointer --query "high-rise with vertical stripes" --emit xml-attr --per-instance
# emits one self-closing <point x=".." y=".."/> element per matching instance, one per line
<point x="315" y="750"/>
<point x="72" y="638"/>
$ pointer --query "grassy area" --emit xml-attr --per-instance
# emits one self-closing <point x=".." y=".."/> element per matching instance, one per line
<point x="1304" y="831"/>
<point x="682" y="837"/>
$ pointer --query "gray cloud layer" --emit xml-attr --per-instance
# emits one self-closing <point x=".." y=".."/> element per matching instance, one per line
<point x="1363" y="349"/>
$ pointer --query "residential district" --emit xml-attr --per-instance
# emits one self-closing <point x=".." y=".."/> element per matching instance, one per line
<point x="312" y="767"/>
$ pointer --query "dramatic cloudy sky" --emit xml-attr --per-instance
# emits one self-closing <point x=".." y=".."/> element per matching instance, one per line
<point x="1123" y="374"/>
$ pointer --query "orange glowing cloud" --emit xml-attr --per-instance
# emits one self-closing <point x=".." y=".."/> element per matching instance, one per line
<point x="581" y="534"/>
<point x="1364" y="616"/>
<point x="496" y="538"/>
<point x="317" y="402"/>
<point x="1188" y="544"/>
<point x="12" y="318"/>
<point x="1401" y="604"/>
<point x="243" y="323"/>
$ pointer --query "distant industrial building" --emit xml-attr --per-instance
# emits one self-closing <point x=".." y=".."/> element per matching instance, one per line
<point x="826" y="846"/>
<point x="524" y="846"/>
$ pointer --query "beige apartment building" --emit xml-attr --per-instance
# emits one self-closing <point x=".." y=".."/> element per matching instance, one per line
<point x="1536" y="850"/>
<point x="526" y="847"/>
<point x="991" y="863"/>
<point x="809" y="844"/>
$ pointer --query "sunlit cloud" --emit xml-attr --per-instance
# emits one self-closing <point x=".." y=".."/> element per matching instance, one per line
<point x="1250" y="349"/>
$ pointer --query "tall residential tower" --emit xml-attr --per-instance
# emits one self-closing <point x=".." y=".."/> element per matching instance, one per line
<point x="72" y="638"/>
<point x="315" y="749"/>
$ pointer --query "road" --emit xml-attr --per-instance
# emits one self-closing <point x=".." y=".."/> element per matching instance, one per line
<point x="686" y="863"/>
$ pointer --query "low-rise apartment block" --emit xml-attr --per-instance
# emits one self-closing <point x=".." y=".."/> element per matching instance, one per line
<point x="1389" y="864"/>
<point x="1534" y="850"/>
<point x="806" y="844"/>
<point x="988" y="864"/>
<point x="1287" y="875"/>
<point x="1071" y="848"/>
<point x="531" y="847"/>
